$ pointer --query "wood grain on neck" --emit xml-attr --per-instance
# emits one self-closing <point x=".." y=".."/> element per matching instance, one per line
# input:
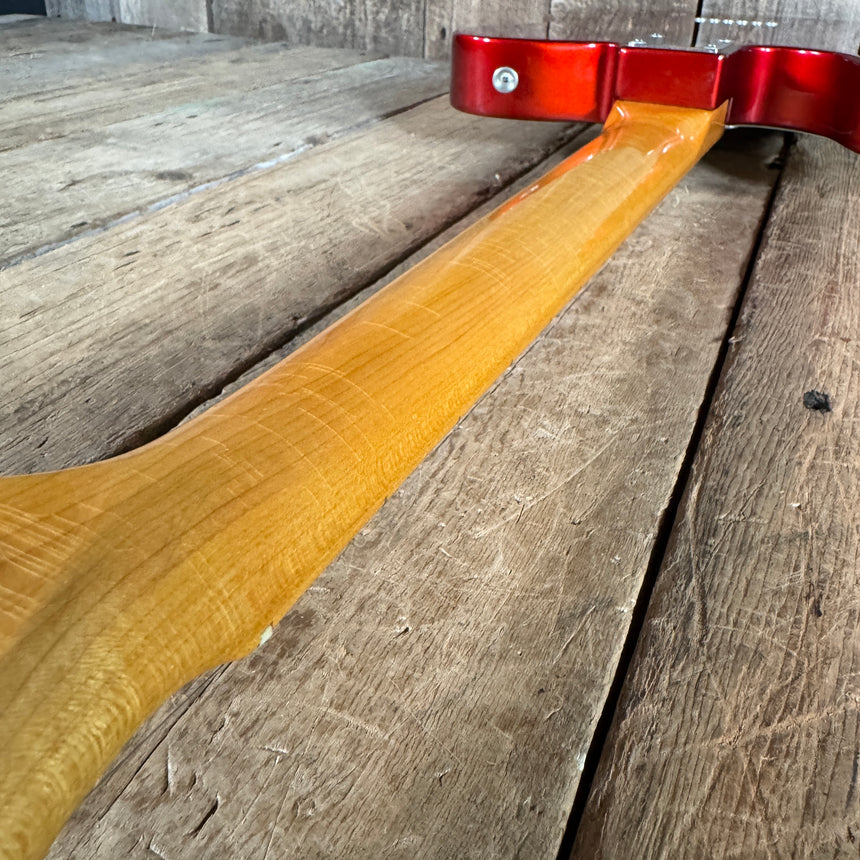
<point x="124" y="579"/>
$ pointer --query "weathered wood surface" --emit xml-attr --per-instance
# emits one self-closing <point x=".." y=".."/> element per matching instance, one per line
<point x="831" y="25"/>
<point x="134" y="90"/>
<point x="211" y="283"/>
<point x="523" y="18"/>
<point x="185" y="15"/>
<point x="418" y="687"/>
<point x="736" y="731"/>
<point x="737" y="734"/>
<point x="44" y="54"/>
<point x="394" y="28"/>
<point x="90" y="178"/>
<point x="425" y="28"/>
<point x="662" y="23"/>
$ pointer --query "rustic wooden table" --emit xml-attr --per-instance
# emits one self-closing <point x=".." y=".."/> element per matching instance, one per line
<point x="614" y="613"/>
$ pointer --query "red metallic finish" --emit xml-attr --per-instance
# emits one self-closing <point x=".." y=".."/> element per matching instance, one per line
<point x="663" y="76"/>
<point x="779" y="87"/>
<point x="565" y="79"/>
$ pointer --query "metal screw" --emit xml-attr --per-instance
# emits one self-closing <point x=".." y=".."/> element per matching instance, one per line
<point x="505" y="79"/>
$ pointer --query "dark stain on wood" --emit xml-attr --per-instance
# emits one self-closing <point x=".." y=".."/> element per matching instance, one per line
<point x="174" y="175"/>
<point x="817" y="401"/>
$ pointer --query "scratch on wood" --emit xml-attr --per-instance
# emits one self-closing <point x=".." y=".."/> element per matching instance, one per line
<point x="528" y="505"/>
<point x="423" y="727"/>
<point x="260" y="791"/>
<point x="565" y="646"/>
<point x="852" y="788"/>
<point x="354" y="722"/>
<point x="155" y="849"/>
<point x="275" y="825"/>
<point x="168" y="774"/>
<point x="209" y="813"/>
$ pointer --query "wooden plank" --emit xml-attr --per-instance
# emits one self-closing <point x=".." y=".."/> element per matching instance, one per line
<point x="393" y="28"/>
<point x="831" y="25"/>
<point x="737" y="732"/>
<point x="620" y="21"/>
<point x="137" y="90"/>
<point x="200" y="288"/>
<point x="89" y="10"/>
<point x="432" y="694"/>
<point x="11" y="18"/>
<point x="745" y="730"/>
<point x="94" y="177"/>
<point x="520" y="18"/>
<point x="670" y="22"/>
<point x="48" y="54"/>
<point x="187" y="15"/>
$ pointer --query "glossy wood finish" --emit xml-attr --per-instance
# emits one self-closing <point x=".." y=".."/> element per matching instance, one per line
<point x="463" y="644"/>
<point x="127" y="578"/>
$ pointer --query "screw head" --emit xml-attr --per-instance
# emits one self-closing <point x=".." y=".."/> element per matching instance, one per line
<point x="505" y="79"/>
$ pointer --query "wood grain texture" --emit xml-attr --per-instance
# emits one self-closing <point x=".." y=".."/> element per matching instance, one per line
<point x="207" y="285"/>
<point x="134" y="91"/>
<point x="669" y="22"/>
<point x="520" y="18"/>
<point x="673" y="20"/>
<point x="425" y="29"/>
<point x="47" y="54"/>
<point x="88" y="10"/>
<point x="91" y="178"/>
<point x="394" y="28"/>
<point x="832" y="25"/>
<point x="737" y="732"/>
<point x="430" y="695"/>
<point x="185" y="15"/>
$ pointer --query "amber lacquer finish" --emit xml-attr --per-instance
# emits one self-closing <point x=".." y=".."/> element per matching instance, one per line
<point x="122" y="580"/>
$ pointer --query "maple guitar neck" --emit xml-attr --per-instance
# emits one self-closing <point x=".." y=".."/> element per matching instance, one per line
<point x="120" y="581"/>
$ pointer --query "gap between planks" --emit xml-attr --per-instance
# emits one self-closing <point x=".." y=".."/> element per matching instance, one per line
<point x="835" y="27"/>
<point x="737" y="727"/>
<point x="666" y="527"/>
